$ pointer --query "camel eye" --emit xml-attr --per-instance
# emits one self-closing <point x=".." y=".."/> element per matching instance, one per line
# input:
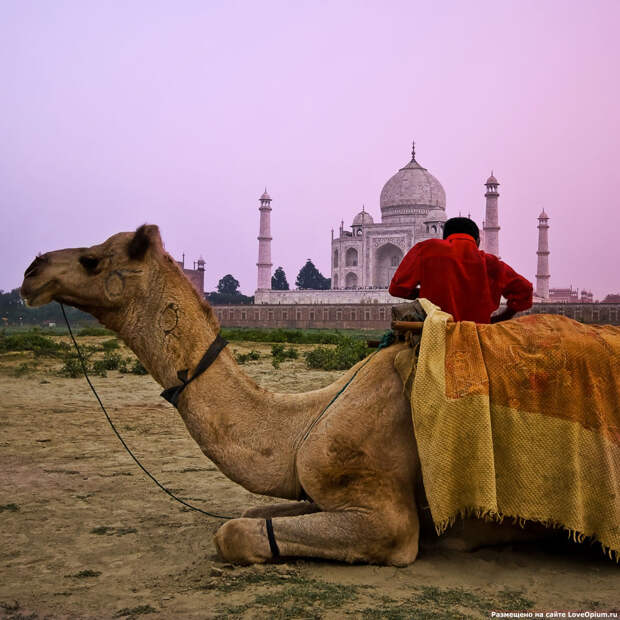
<point x="89" y="262"/>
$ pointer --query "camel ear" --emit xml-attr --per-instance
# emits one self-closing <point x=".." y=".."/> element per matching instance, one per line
<point x="145" y="237"/>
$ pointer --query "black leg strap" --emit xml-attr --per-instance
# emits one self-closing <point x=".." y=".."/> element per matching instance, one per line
<point x="273" y="545"/>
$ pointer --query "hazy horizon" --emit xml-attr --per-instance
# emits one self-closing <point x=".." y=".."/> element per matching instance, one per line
<point x="179" y="114"/>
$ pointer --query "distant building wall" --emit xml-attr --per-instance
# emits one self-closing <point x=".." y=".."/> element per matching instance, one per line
<point x="377" y="315"/>
<point x="195" y="276"/>
<point x="329" y="297"/>
<point x="334" y="316"/>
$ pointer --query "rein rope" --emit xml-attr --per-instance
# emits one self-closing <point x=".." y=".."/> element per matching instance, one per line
<point x="161" y="486"/>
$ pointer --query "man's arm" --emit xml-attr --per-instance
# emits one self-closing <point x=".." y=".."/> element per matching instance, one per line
<point x="406" y="280"/>
<point x="506" y="315"/>
<point x="517" y="290"/>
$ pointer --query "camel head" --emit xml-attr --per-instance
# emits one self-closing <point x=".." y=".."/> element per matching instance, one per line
<point x="103" y="277"/>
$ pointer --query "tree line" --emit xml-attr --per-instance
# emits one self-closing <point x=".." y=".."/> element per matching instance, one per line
<point x="309" y="277"/>
<point x="13" y="311"/>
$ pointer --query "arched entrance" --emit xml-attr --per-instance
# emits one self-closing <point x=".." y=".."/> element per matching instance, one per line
<point x="351" y="257"/>
<point x="387" y="259"/>
<point x="350" y="280"/>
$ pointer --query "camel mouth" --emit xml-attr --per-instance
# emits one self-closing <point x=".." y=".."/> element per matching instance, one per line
<point x="37" y="297"/>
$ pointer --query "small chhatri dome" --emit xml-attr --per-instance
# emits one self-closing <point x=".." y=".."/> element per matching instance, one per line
<point x="543" y="215"/>
<point x="492" y="180"/>
<point x="410" y="188"/>
<point x="265" y="195"/>
<point x="362" y="218"/>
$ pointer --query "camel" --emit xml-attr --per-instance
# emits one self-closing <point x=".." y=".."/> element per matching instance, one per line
<point x="351" y="473"/>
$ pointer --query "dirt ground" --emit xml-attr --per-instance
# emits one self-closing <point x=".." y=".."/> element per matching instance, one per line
<point x="86" y="535"/>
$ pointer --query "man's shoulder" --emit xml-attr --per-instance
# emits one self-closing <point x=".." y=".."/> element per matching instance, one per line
<point x="430" y="244"/>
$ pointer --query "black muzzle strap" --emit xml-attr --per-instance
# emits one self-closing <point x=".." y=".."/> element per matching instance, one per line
<point x="273" y="545"/>
<point x="172" y="394"/>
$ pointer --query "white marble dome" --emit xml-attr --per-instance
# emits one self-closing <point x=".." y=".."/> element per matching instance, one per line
<point x="362" y="219"/>
<point x="410" y="189"/>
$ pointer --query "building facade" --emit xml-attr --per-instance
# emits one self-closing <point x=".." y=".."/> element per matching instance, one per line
<point x="379" y="316"/>
<point x="365" y="255"/>
<point x="413" y="208"/>
<point x="196" y="275"/>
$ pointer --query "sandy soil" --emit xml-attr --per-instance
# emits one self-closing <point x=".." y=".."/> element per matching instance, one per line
<point x="86" y="535"/>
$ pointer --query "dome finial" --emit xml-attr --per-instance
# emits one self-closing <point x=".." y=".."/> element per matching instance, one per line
<point x="413" y="150"/>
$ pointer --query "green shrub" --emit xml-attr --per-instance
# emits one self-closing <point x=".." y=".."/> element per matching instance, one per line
<point x="296" y="336"/>
<point x="32" y="341"/>
<point x="346" y="354"/>
<point x="279" y="354"/>
<point x="71" y="368"/>
<point x="242" y="358"/>
<point x="111" y="361"/>
<point x="99" y="369"/>
<point x="110" y="345"/>
<point x="95" y="331"/>
<point x="138" y="368"/>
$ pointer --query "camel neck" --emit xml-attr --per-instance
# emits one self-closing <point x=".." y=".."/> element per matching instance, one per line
<point x="251" y="434"/>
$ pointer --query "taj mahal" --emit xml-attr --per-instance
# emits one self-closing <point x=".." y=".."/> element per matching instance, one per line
<point x="365" y="255"/>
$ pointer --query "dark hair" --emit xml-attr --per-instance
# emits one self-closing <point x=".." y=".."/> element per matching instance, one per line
<point x="461" y="225"/>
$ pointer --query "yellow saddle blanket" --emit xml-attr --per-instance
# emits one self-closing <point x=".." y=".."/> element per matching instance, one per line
<point x="519" y="419"/>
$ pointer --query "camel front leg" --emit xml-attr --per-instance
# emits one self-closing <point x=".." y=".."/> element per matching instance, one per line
<point x="352" y="536"/>
<point x="284" y="509"/>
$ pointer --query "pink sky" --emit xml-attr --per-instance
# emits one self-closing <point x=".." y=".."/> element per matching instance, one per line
<point x="113" y="114"/>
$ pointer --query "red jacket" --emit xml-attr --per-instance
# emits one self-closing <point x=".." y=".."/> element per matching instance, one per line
<point x="461" y="279"/>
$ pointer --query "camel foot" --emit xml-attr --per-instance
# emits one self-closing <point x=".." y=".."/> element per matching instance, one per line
<point x="285" y="509"/>
<point x="345" y="536"/>
<point x="243" y="541"/>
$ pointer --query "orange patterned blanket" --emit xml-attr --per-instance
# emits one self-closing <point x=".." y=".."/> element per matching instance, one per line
<point x="521" y="419"/>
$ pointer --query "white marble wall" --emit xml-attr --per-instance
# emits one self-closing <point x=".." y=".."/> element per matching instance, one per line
<point x="365" y="296"/>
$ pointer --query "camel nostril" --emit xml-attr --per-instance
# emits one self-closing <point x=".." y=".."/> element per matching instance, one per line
<point x="34" y="266"/>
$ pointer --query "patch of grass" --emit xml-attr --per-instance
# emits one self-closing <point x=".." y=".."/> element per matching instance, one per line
<point x="135" y="611"/>
<point x="432" y="603"/>
<point x="95" y="331"/>
<point x="288" y="596"/>
<point x="285" y="595"/>
<point x="279" y="354"/>
<point x="296" y="336"/>
<point x="346" y="354"/>
<point x="85" y="574"/>
<point x="71" y="368"/>
<point x="101" y="530"/>
<point x="110" y="345"/>
<point x="32" y="341"/>
<point x="138" y="369"/>
<point x="111" y="360"/>
<point x="105" y="530"/>
<point x="242" y="358"/>
<point x="122" y="531"/>
<point x="9" y="508"/>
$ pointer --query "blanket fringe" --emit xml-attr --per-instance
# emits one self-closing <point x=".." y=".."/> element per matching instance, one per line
<point x="493" y="516"/>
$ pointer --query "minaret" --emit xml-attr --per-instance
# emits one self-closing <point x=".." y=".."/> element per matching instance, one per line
<point x="491" y="222"/>
<point x="542" y="272"/>
<point x="264" y="243"/>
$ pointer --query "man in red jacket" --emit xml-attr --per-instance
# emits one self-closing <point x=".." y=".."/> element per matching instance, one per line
<point x="459" y="278"/>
